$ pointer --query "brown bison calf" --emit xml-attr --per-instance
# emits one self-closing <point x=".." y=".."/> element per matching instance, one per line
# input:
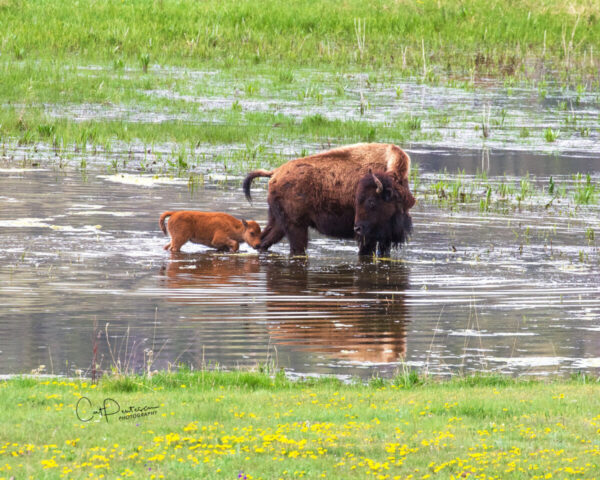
<point x="216" y="230"/>
<point x="357" y="191"/>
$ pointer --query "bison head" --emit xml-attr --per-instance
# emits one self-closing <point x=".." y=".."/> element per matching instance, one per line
<point x="381" y="213"/>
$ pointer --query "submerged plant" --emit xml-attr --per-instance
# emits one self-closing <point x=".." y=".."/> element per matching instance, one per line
<point x="285" y="76"/>
<point x="236" y="106"/>
<point x="485" y="121"/>
<point x="46" y="130"/>
<point x="485" y="203"/>
<point x="589" y="234"/>
<point x="412" y="123"/>
<point x="551" y="135"/>
<point x="585" y="191"/>
<point x="506" y="190"/>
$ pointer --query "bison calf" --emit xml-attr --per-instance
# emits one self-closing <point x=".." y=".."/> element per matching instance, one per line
<point x="357" y="191"/>
<point x="216" y="230"/>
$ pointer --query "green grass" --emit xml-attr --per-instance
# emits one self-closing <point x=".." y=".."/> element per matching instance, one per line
<point x="105" y="54"/>
<point x="33" y="125"/>
<point x="493" y="36"/>
<point x="222" y="425"/>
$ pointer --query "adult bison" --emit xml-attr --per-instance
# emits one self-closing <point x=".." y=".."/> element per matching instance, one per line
<point x="357" y="191"/>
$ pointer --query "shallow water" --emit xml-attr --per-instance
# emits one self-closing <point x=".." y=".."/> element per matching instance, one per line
<point x="82" y="264"/>
<point x="449" y="116"/>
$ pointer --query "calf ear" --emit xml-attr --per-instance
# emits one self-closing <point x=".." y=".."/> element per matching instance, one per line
<point x="244" y="223"/>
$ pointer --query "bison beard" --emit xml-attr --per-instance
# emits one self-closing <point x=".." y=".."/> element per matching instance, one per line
<point x="381" y="220"/>
<point x="320" y="192"/>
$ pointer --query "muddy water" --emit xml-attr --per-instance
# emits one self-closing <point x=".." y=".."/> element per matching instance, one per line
<point x="82" y="266"/>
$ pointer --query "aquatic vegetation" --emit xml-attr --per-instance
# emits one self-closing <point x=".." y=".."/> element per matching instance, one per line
<point x="459" y="190"/>
<point x="525" y="190"/>
<point x="586" y="192"/>
<point x="434" y="37"/>
<point x="411" y="123"/>
<point x="590" y="235"/>
<point x="551" y="135"/>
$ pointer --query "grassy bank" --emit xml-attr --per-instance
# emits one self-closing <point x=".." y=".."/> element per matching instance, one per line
<point x="221" y="73"/>
<point x="250" y="425"/>
<point x="455" y="36"/>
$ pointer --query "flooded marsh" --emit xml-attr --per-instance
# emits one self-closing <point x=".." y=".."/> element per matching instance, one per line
<point x="512" y="289"/>
<point x="501" y="273"/>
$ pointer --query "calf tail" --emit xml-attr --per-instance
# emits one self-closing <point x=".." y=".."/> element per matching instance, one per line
<point x="251" y="176"/>
<point x="161" y="221"/>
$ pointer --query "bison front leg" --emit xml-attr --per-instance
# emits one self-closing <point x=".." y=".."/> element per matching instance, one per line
<point x="272" y="234"/>
<point x="384" y="249"/>
<point x="298" y="237"/>
<point x="366" y="247"/>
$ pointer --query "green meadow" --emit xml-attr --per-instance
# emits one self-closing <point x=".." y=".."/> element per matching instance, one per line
<point x="209" y="424"/>
<point x="495" y="37"/>
<point x="108" y="73"/>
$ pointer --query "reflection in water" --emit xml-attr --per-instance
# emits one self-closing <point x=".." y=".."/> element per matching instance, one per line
<point x="351" y="312"/>
<point x="342" y="310"/>
<point x="207" y="270"/>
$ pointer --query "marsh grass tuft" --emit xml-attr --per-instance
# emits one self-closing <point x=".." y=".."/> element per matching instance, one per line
<point x="551" y="135"/>
<point x="586" y="192"/>
<point x="145" y="61"/>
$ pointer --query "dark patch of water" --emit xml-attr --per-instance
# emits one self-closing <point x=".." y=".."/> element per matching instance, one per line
<point x="498" y="162"/>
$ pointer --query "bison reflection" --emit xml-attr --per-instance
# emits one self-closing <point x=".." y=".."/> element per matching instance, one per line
<point x="354" y="313"/>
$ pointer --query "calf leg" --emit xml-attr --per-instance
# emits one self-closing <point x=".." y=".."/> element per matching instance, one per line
<point x="176" y="243"/>
<point x="222" y="242"/>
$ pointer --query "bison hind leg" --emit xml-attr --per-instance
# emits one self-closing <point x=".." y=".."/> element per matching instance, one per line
<point x="298" y="237"/>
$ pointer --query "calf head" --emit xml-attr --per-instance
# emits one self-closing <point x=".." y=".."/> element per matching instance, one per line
<point x="251" y="233"/>
<point x="381" y="210"/>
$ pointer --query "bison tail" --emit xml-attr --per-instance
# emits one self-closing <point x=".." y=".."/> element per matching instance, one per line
<point x="248" y="181"/>
<point x="161" y="221"/>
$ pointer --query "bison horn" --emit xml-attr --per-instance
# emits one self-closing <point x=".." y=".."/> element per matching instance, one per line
<point x="378" y="184"/>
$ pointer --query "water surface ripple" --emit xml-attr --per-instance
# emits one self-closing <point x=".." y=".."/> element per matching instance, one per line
<point x="81" y="263"/>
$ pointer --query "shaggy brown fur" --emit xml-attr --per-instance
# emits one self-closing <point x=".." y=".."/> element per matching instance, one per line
<point x="216" y="230"/>
<point x="319" y="191"/>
